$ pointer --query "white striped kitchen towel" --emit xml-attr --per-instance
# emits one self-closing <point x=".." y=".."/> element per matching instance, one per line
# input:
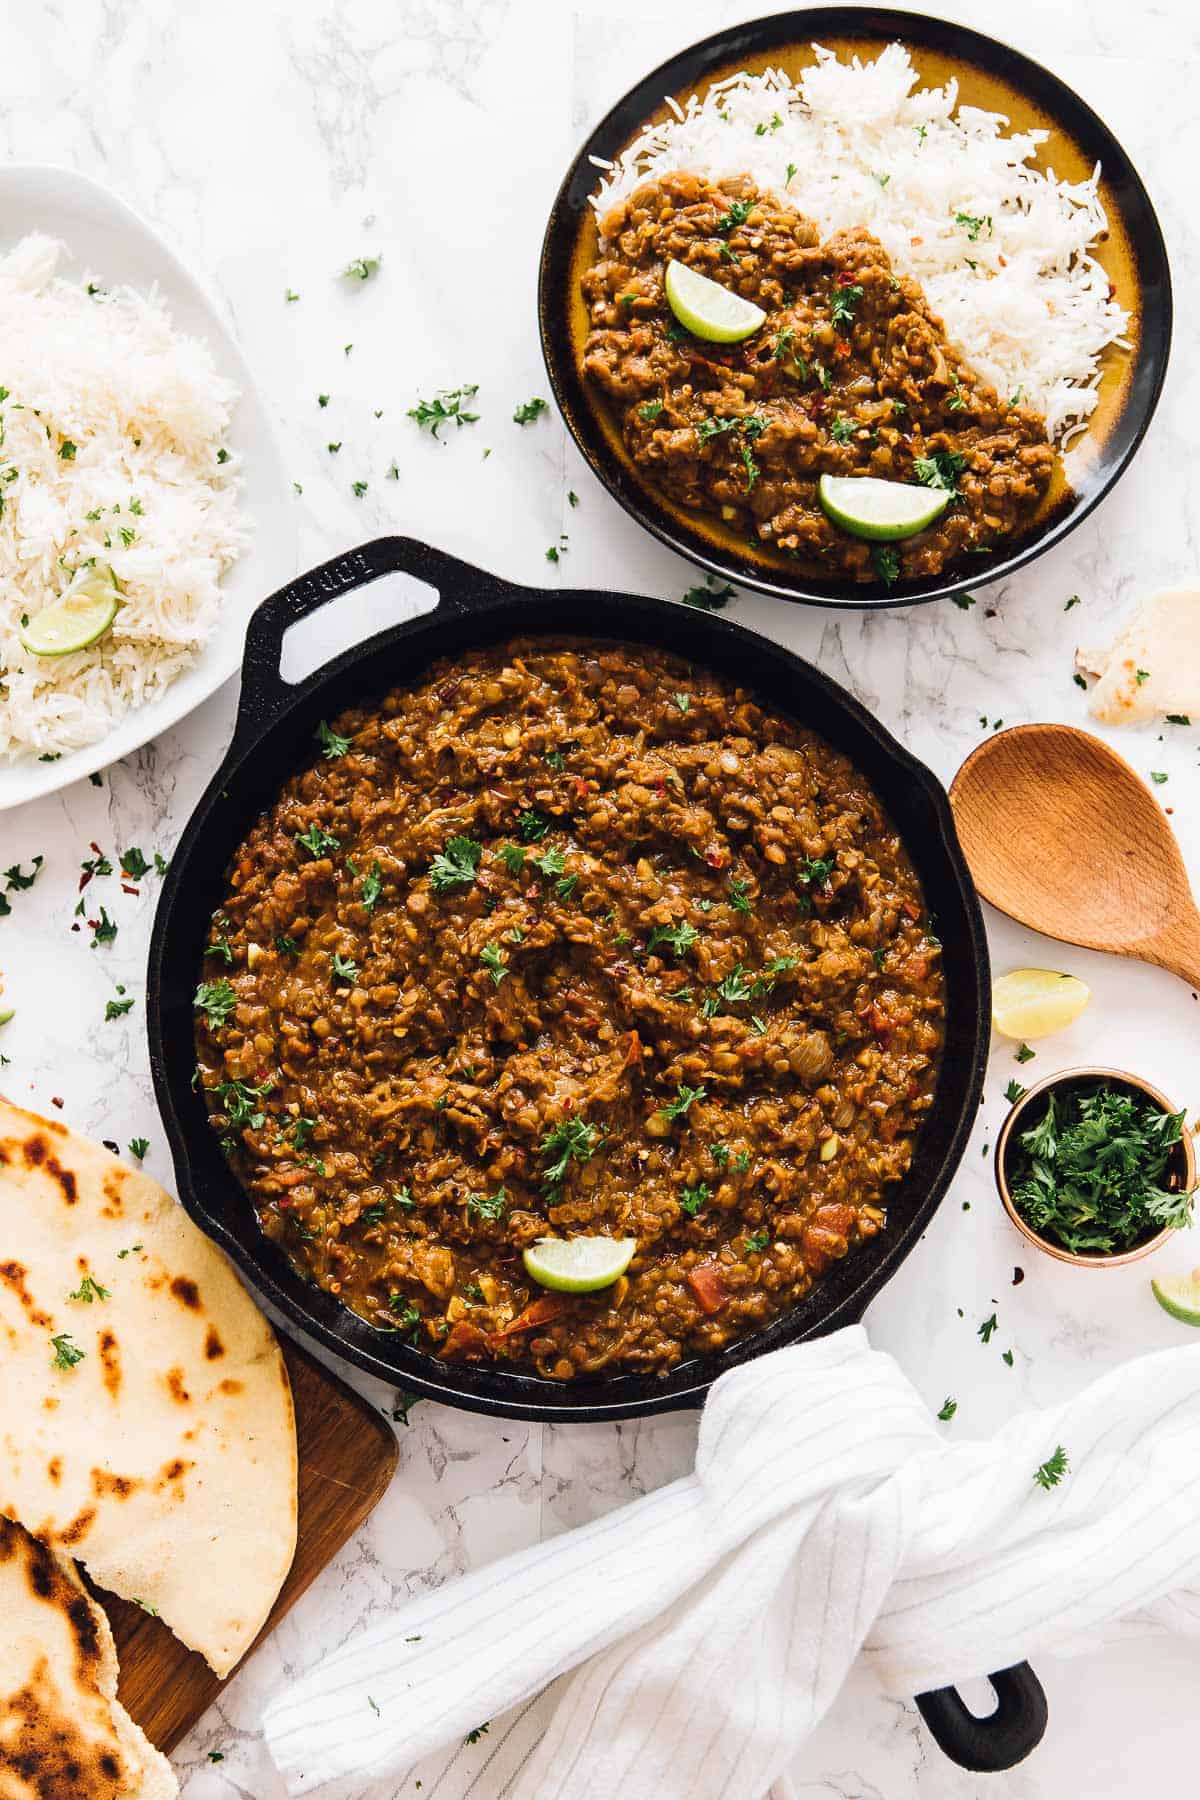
<point x="709" y="1625"/>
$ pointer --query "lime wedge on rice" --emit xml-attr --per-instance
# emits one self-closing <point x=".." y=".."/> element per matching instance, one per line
<point x="78" y="618"/>
<point x="1031" y="1003"/>
<point x="707" y="309"/>
<point x="1179" y="1295"/>
<point x="578" y="1265"/>
<point x="883" y="511"/>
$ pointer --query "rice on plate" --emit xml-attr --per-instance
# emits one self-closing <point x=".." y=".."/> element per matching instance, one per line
<point x="1001" y="248"/>
<point x="113" y="457"/>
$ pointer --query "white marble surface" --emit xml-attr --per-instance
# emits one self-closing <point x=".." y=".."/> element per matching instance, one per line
<point x="271" y="140"/>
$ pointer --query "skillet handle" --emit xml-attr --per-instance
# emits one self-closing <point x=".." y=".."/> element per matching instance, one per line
<point x="264" y="691"/>
<point x="1002" y="1739"/>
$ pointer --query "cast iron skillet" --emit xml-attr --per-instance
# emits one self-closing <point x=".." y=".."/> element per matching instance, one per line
<point x="274" y="736"/>
<point x="1144" y="286"/>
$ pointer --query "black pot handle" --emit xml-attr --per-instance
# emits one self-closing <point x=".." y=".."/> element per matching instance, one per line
<point x="459" y="585"/>
<point x="1002" y="1739"/>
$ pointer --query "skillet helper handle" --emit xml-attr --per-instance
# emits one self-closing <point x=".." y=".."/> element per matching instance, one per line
<point x="1002" y="1739"/>
<point x="264" y="691"/>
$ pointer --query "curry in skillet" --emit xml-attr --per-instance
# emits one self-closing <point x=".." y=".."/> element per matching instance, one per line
<point x="570" y="939"/>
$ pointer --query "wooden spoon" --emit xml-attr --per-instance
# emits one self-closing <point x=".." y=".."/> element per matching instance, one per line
<point x="1064" y="836"/>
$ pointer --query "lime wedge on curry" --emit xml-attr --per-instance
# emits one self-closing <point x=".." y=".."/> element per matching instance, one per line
<point x="1031" y="1003"/>
<point x="884" y="511"/>
<point x="78" y="618"/>
<point x="707" y="309"/>
<point x="578" y="1265"/>
<point x="1179" y="1295"/>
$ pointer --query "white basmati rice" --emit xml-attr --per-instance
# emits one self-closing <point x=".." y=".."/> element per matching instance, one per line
<point x="143" y="491"/>
<point x="1001" y="249"/>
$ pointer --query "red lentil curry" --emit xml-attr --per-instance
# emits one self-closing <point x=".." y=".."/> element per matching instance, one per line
<point x="850" y="374"/>
<point x="571" y="938"/>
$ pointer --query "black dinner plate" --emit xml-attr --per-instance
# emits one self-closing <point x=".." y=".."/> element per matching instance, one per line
<point x="990" y="75"/>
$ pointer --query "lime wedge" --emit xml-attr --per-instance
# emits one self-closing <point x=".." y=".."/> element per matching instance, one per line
<point x="78" y="618"/>
<point x="708" y="310"/>
<point x="883" y="511"/>
<point x="1180" y="1296"/>
<point x="1031" y="1003"/>
<point x="579" y="1265"/>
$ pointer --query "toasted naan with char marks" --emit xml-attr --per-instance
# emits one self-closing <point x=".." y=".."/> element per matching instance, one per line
<point x="155" y="1442"/>
<point x="62" y="1730"/>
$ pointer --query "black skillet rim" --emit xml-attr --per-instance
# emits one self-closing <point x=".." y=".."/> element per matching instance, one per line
<point x="277" y="721"/>
<point x="693" y="64"/>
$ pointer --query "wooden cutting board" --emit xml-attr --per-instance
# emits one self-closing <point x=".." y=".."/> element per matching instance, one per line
<point x="347" y="1457"/>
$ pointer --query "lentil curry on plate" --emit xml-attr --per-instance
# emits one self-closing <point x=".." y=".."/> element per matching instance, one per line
<point x="570" y="939"/>
<point x="850" y="374"/>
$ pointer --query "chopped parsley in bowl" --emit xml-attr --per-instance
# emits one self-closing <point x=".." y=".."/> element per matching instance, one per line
<point x="1095" y="1166"/>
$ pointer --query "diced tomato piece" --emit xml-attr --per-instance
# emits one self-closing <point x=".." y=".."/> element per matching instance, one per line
<point x="715" y="859"/>
<point x="538" y="1312"/>
<point x="464" y="1342"/>
<point x="706" y="1283"/>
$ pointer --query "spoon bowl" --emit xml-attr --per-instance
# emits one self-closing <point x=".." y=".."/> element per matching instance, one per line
<point x="1062" y="835"/>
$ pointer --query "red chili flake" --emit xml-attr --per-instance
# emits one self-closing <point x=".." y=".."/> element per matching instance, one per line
<point x="581" y="787"/>
<point x="284" y="1202"/>
<point x="660" y="788"/>
<point x="715" y="859"/>
<point x="845" y="278"/>
<point x="1002" y="261"/>
<point x="126" y="889"/>
<point x="56" y="1100"/>
<point x="84" y="879"/>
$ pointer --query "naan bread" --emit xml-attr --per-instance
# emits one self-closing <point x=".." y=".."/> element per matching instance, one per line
<point x="1160" y="642"/>
<point x="164" y="1458"/>
<point x="62" y="1730"/>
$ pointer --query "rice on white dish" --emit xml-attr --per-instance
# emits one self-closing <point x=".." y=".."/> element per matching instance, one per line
<point x="1001" y="249"/>
<point x="113" y="434"/>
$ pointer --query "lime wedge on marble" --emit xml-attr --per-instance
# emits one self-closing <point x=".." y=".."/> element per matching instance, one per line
<point x="578" y="1265"/>
<point x="707" y="309"/>
<point x="1179" y="1295"/>
<point x="883" y="511"/>
<point x="1031" y="1003"/>
<point x="78" y="618"/>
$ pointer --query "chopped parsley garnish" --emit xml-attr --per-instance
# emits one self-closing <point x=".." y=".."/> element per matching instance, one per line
<point x="719" y="1154"/>
<point x="712" y="427"/>
<point x="89" y="1290"/>
<point x="683" y="702"/>
<point x="741" y="1162"/>
<point x="680" y="937"/>
<point x="104" y="930"/>
<point x="887" y="564"/>
<point x="1158" y="776"/>
<point x="318" y="843"/>
<point x="986" y="1329"/>
<point x="530" y="410"/>
<point x="845" y="299"/>
<point x="693" y="1198"/>
<point x="116" y="1009"/>
<point x="1024" y="1054"/>
<point x="456" y="866"/>
<point x="550" y="862"/>
<point x="1090" y="1174"/>
<point x="15" y="881"/>
<point x="512" y="856"/>
<point x="492" y="958"/>
<point x="371" y="887"/>
<point x="1051" y="1472"/>
<point x="343" y="968"/>
<point x="487" y="1206"/>
<point x="948" y="1409"/>
<point x="842" y="429"/>
<point x="709" y="597"/>
<point x="216" y="1000"/>
<point x="134" y="864"/>
<point x="755" y="1241"/>
<point x="685" y="1098"/>
<point x="66" y="450"/>
<point x="331" y="744"/>
<point x="739" y="895"/>
<point x="783" y="345"/>
<point x="730" y="991"/>
<point x="973" y="226"/>
<point x="287" y="946"/>
<point x="473" y="1737"/>
<point x="815" y="871"/>
<point x="137" y="1148"/>
<point x="1073" y="600"/>
<point x="940" y="470"/>
<point x="1014" y="1092"/>
<point x="66" y="1354"/>
<point x="571" y="1140"/>
<point x="362" y="268"/>
<point x="531" y="826"/>
<point x="739" y="211"/>
<point x="445" y="406"/>
<point x="1178" y="719"/>
<point x="649" y="410"/>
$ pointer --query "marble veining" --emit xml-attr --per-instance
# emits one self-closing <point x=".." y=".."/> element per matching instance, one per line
<point x="270" y="143"/>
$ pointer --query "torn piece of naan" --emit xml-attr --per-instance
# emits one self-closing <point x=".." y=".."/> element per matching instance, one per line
<point x="1152" y="668"/>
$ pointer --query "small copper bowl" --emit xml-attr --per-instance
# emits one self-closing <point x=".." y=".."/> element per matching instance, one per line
<point x="1180" y="1172"/>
